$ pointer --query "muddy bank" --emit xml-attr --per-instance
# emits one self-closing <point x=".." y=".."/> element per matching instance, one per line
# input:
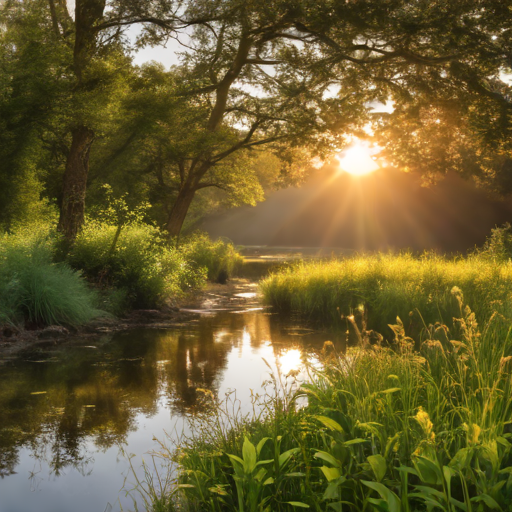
<point x="238" y="293"/>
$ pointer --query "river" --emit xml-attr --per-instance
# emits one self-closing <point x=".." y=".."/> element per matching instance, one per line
<point x="69" y="415"/>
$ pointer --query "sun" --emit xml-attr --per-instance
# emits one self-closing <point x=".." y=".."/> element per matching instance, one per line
<point x="357" y="159"/>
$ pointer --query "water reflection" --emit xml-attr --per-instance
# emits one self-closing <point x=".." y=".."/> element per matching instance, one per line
<point x="65" y="407"/>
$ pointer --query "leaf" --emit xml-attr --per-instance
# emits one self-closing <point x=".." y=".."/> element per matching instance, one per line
<point x="268" y="481"/>
<point x="328" y="458"/>
<point x="238" y="464"/>
<point x="379" y="466"/>
<point x="391" y="390"/>
<point x="284" y="457"/>
<point x="330" y="473"/>
<point x="249" y="455"/>
<point x="261" y="444"/>
<point x="380" y="505"/>
<point x="461" y="459"/>
<point x="490" y="502"/>
<point x="354" y="441"/>
<point x="428" y="471"/>
<point x="329" y="423"/>
<point x="297" y="504"/>
<point x="392" y="500"/>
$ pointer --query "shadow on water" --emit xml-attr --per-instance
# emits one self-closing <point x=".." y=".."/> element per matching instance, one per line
<point x="64" y="413"/>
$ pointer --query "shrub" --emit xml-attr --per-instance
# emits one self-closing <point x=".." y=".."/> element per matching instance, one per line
<point x="135" y="260"/>
<point x="219" y="257"/>
<point x="498" y="245"/>
<point x="36" y="291"/>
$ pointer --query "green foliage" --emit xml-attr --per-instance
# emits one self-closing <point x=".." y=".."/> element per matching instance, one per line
<point x="219" y="257"/>
<point x="37" y="292"/>
<point x="139" y="262"/>
<point x="382" y="287"/>
<point x="387" y="430"/>
<point x="498" y="245"/>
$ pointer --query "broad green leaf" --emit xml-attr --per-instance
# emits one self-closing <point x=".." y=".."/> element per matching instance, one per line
<point x="380" y="505"/>
<point x="428" y="471"/>
<point x="249" y="455"/>
<point x="330" y="473"/>
<point x="354" y="441"/>
<point x="260" y="445"/>
<point x="284" y="457"/>
<point x="379" y="466"/>
<point x="329" y="423"/>
<point x="331" y="491"/>
<point x="328" y="458"/>
<point x="485" y="498"/>
<point x="459" y="504"/>
<point x="392" y="500"/>
<point x="297" y="504"/>
<point x="461" y="459"/>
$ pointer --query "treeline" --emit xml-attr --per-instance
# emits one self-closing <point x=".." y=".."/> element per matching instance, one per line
<point x="260" y="89"/>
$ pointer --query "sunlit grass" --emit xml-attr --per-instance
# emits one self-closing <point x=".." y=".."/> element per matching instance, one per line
<point x="382" y="287"/>
<point x="385" y="429"/>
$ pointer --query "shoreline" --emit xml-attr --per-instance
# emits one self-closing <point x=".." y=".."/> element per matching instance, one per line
<point x="235" y="294"/>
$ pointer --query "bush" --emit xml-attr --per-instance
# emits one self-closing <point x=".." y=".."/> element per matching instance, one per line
<point x="138" y="263"/>
<point x="219" y="257"/>
<point x="498" y="245"/>
<point x="38" y="292"/>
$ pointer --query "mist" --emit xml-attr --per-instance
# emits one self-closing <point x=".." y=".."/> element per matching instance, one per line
<point x="386" y="210"/>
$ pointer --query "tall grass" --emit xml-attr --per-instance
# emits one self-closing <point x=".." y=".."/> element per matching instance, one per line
<point x="386" y="286"/>
<point x="384" y="429"/>
<point x="35" y="291"/>
<point x="219" y="257"/>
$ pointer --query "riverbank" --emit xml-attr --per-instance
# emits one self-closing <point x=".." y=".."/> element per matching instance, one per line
<point x="235" y="294"/>
<point x="67" y="408"/>
<point x="372" y="290"/>
<point x="384" y="429"/>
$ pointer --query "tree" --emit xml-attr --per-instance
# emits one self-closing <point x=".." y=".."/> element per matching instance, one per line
<point x="442" y="64"/>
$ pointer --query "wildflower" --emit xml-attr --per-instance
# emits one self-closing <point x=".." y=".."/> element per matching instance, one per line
<point x="426" y="424"/>
<point x="473" y="431"/>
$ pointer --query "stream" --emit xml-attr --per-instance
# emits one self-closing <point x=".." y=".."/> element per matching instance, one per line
<point x="70" y="414"/>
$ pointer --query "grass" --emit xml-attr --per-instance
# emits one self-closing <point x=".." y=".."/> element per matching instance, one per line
<point x="382" y="287"/>
<point x="35" y="291"/>
<point x="384" y="429"/>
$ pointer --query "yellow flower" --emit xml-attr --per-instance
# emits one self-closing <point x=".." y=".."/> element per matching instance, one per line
<point x="473" y="431"/>
<point x="426" y="424"/>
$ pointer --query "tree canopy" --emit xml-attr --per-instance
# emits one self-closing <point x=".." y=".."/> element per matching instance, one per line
<point x="287" y="78"/>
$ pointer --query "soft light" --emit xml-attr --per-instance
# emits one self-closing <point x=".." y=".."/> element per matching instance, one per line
<point x="290" y="360"/>
<point x="357" y="160"/>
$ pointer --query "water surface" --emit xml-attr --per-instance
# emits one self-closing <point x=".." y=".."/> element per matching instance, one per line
<point x="67" y="413"/>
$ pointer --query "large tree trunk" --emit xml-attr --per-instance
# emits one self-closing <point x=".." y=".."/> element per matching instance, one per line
<point x="179" y="210"/>
<point x="75" y="183"/>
